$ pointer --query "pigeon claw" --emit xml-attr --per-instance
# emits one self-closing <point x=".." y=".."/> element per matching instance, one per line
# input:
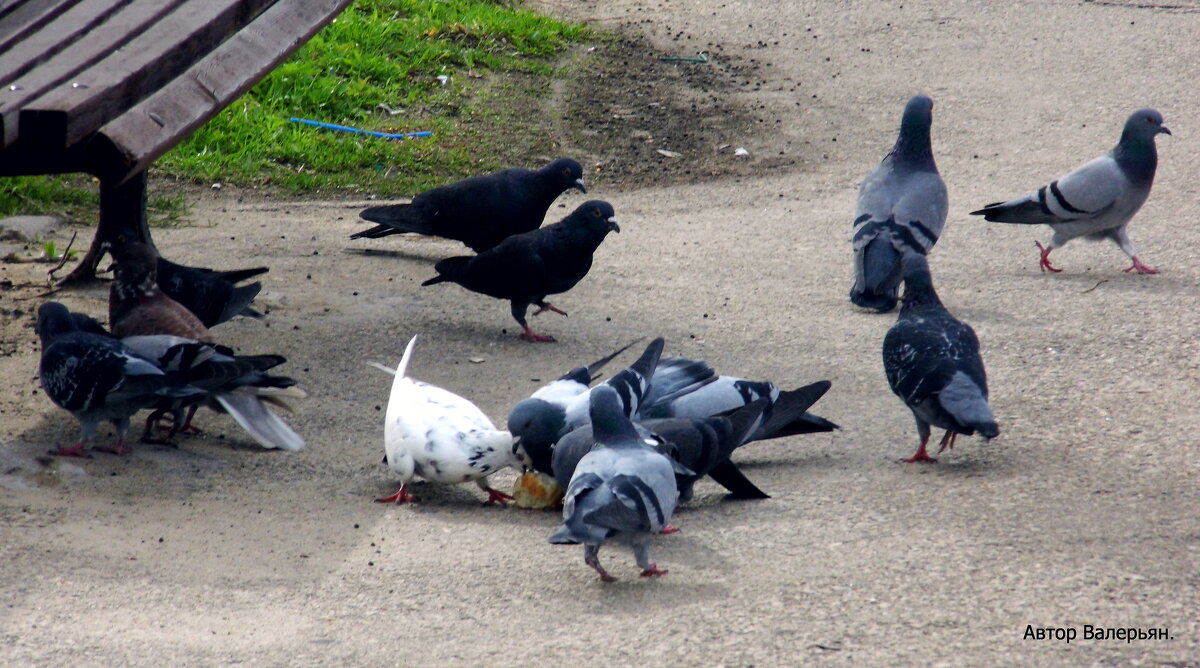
<point x="534" y="337"/>
<point x="948" y="441"/>
<point x="1044" y="262"/>
<point x="496" y="496"/>
<point x="117" y="448"/>
<point x="1141" y="268"/>
<point x="653" y="571"/>
<point x="547" y="306"/>
<point x="402" y="495"/>
<point x="669" y="528"/>
<point x="76" y="450"/>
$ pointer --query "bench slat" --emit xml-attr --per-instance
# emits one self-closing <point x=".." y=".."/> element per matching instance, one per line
<point x="47" y="31"/>
<point x="18" y="20"/>
<point x="134" y="140"/>
<point x="76" y="40"/>
<point x="67" y="113"/>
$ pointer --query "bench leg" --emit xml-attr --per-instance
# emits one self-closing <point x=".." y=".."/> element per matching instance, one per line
<point x="122" y="219"/>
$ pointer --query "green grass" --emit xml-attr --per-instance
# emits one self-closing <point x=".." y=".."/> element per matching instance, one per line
<point x="378" y="52"/>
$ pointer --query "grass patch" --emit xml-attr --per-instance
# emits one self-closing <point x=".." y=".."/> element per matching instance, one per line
<point x="379" y="55"/>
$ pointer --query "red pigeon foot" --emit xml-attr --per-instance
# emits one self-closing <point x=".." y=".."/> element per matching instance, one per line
<point x="401" y="496"/>
<point x="1141" y="268"/>
<point x="534" y="337"/>
<point x="1044" y="262"/>
<point x="653" y="571"/>
<point x="76" y="450"/>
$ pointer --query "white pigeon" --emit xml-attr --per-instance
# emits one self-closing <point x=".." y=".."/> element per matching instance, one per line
<point x="437" y="435"/>
<point x="1097" y="200"/>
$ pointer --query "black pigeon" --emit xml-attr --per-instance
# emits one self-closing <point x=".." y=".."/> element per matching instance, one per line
<point x="210" y="294"/>
<point x="932" y="362"/>
<point x="527" y="267"/>
<point x="97" y="378"/>
<point x="480" y="211"/>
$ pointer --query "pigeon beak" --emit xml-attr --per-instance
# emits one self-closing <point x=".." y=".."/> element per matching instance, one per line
<point x="583" y="189"/>
<point x="612" y="225"/>
<point x="1164" y="129"/>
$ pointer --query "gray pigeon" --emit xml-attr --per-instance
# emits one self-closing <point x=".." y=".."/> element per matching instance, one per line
<point x="902" y="208"/>
<point x="932" y="362"/>
<point x="562" y="405"/>
<point x="1097" y="200"/>
<point x="622" y="489"/>
<point x="480" y="211"/>
<point x="97" y="378"/>
<point x="703" y="445"/>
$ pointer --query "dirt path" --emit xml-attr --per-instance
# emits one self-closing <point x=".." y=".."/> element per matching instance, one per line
<point x="1084" y="511"/>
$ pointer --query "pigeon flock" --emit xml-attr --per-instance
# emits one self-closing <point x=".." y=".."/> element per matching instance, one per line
<point x="619" y="455"/>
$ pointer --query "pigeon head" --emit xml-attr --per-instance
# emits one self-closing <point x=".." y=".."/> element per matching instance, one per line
<point x="913" y="143"/>
<point x="567" y="174"/>
<point x="609" y="423"/>
<point x="1136" y="153"/>
<point x="136" y="270"/>
<point x="596" y="216"/>
<point x="537" y="425"/>
<point x="918" y="283"/>
<point x="53" y="321"/>
<point x="1144" y="125"/>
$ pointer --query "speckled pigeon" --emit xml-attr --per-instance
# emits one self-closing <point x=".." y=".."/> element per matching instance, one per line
<point x="526" y="268"/>
<point x="1097" y="200"/>
<point x="97" y="378"/>
<point x="139" y="307"/>
<point x="439" y="436"/>
<point x="932" y="362"/>
<point x="902" y="208"/>
<point x="480" y="211"/>
<point x="621" y="489"/>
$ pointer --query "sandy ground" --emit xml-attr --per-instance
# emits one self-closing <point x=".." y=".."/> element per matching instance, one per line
<point x="1084" y="511"/>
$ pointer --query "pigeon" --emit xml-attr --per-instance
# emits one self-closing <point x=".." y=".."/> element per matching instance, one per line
<point x="437" y="435"/>
<point x="563" y="405"/>
<point x="97" y="378"/>
<point x="136" y="304"/>
<point x="902" y="208"/>
<point x="621" y="489"/>
<point x="726" y="393"/>
<point x="1097" y="200"/>
<point x="527" y="267"/>
<point x="703" y="445"/>
<point x="138" y="307"/>
<point x="480" y="211"/>
<point x="210" y="295"/>
<point x="235" y="384"/>
<point x="932" y="362"/>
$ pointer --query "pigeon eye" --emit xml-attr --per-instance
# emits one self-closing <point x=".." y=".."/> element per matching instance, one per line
<point x="595" y="213"/>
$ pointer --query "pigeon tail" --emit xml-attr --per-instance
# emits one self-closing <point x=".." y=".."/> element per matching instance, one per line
<point x="264" y="426"/>
<point x="1020" y="211"/>
<point x="729" y="476"/>
<point x="239" y="275"/>
<point x="880" y="275"/>
<point x="789" y="414"/>
<point x="452" y="269"/>
<point x="394" y="219"/>
<point x="239" y="302"/>
<point x="632" y="383"/>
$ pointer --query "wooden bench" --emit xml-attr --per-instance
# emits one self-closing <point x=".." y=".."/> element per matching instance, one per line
<point x="107" y="86"/>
